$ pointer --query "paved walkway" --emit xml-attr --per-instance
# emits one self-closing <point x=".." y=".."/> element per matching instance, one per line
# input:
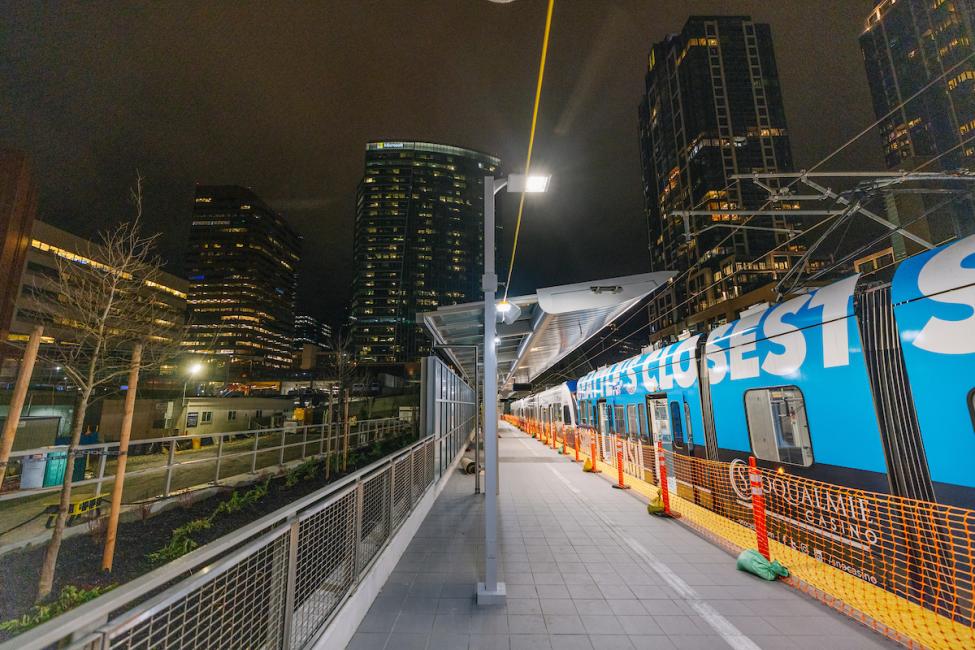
<point x="585" y="567"/>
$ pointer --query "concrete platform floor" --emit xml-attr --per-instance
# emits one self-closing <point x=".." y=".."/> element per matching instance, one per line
<point x="585" y="568"/>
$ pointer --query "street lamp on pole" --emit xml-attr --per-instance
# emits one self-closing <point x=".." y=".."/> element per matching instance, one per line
<point x="191" y="372"/>
<point x="492" y="592"/>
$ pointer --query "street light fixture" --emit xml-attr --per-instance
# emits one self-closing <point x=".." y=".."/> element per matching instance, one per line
<point x="192" y="371"/>
<point x="492" y="592"/>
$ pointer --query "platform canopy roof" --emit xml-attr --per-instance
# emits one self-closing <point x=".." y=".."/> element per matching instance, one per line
<point x="553" y="322"/>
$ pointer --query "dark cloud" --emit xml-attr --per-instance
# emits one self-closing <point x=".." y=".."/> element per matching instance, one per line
<point x="282" y="97"/>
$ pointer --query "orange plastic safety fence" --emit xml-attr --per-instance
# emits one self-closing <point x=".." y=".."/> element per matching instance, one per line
<point x="902" y="566"/>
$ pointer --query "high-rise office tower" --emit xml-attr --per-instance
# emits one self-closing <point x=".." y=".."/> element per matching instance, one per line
<point x="712" y="108"/>
<point x="419" y="242"/>
<point x="18" y="203"/>
<point x="50" y="250"/>
<point x="309" y="329"/>
<point x="907" y="45"/>
<point x="242" y="267"/>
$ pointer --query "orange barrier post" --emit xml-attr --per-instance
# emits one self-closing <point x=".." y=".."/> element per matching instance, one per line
<point x="592" y="453"/>
<point x="620" y="485"/>
<point x="563" y="440"/>
<point x="575" y="443"/>
<point x="555" y="435"/>
<point x="758" y="507"/>
<point x="662" y="471"/>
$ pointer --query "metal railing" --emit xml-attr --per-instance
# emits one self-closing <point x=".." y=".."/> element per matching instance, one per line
<point x="276" y="583"/>
<point x="181" y="463"/>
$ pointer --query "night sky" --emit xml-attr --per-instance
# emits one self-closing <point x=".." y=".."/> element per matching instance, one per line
<point x="282" y="97"/>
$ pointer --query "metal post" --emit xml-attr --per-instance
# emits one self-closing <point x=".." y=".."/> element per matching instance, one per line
<point x="392" y="496"/>
<point x="356" y="550"/>
<point x="292" y="581"/>
<point x="169" y="466"/>
<point x="101" y="468"/>
<point x="345" y="437"/>
<point x="257" y="439"/>
<point x="216" y="476"/>
<point x="284" y="437"/>
<point x="328" y="436"/>
<point x="490" y="592"/>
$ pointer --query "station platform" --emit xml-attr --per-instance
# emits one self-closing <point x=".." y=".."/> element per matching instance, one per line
<point x="585" y="568"/>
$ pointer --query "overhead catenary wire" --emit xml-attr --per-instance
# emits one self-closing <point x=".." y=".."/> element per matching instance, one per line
<point x="531" y="141"/>
<point x="859" y="135"/>
<point x="819" y="164"/>
<point x="923" y="215"/>
<point x="767" y="203"/>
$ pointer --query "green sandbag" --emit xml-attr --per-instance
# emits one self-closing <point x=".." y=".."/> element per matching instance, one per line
<point x="754" y="562"/>
<point x="656" y="506"/>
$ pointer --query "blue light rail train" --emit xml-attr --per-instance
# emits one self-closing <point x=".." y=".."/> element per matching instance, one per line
<point x="867" y="385"/>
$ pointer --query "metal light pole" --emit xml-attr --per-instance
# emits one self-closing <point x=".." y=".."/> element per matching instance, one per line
<point x="490" y="592"/>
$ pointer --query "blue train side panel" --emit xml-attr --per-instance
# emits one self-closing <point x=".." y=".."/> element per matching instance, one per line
<point x="934" y="307"/>
<point x="671" y="370"/>
<point x="810" y="342"/>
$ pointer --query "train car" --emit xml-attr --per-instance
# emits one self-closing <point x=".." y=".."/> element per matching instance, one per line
<point x="556" y="404"/>
<point x="863" y="385"/>
<point x="655" y="396"/>
<point x="933" y="298"/>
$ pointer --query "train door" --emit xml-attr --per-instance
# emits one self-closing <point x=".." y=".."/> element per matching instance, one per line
<point x="602" y="417"/>
<point x="658" y="420"/>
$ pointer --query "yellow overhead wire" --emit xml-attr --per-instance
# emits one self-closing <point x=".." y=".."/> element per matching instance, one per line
<point x="531" y="141"/>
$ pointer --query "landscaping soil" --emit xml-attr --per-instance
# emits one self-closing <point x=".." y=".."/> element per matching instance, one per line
<point x="80" y="559"/>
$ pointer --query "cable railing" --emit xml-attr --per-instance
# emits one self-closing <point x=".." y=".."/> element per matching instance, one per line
<point x="904" y="567"/>
<point x="278" y="582"/>
<point x="180" y="462"/>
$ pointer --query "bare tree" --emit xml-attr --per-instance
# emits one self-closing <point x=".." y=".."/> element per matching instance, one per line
<point x="103" y="301"/>
<point x="342" y="361"/>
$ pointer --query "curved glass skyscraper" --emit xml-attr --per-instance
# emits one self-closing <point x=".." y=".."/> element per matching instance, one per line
<point x="419" y="240"/>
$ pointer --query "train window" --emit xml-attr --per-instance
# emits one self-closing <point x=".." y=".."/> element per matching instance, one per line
<point x="631" y="420"/>
<point x="642" y="418"/>
<point x="777" y="425"/>
<point x="676" y="421"/>
<point x="566" y="414"/>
